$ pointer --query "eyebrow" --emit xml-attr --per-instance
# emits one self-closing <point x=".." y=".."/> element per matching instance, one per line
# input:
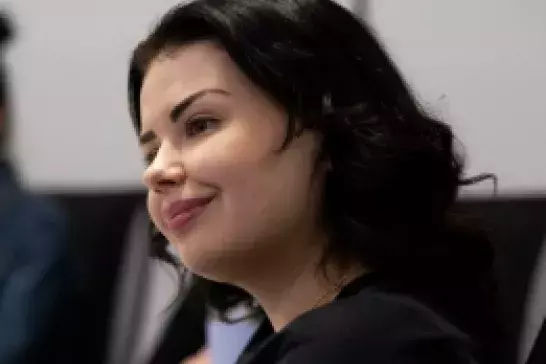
<point x="179" y="109"/>
<point x="183" y="105"/>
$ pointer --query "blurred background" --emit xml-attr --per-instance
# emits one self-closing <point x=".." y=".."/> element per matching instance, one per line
<point x="478" y="64"/>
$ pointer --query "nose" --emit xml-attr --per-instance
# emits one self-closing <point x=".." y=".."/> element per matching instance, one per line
<point x="164" y="174"/>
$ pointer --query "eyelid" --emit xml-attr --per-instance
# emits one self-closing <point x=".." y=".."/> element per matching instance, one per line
<point x="201" y="115"/>
<point x="203" y="108"/>
<point x="202" y="118"/>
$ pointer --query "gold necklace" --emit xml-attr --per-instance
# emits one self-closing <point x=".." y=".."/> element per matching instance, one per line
<point x="335" y="290"/>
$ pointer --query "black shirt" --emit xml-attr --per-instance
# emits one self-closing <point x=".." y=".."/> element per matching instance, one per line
<point x="365" y="324"/>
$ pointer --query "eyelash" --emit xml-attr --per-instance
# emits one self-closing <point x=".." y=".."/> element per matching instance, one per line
<point x="198" y="120"/>
<point x="189" y="132"/>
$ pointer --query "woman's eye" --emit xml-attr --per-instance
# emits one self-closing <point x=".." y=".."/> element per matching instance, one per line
<point x="198" y="126"/>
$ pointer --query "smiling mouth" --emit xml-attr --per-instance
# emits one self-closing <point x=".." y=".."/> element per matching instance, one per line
<point x="180" y="213"/>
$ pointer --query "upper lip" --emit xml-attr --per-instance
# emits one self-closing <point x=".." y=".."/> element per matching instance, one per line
<point x="180" y="206"/>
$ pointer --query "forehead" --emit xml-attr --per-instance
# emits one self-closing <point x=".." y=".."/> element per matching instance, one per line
<point x="184" y="71"/>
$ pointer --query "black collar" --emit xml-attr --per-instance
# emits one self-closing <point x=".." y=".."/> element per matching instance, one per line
<point x="265" y="330"/>
<point x="357" y="285"/>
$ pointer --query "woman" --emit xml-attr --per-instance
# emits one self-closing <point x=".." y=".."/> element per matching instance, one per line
<point x="291" y="168"/>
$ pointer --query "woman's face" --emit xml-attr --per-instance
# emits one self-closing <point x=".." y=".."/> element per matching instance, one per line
<point x="220" y="187"/>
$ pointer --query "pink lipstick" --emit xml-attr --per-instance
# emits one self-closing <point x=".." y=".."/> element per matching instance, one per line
<point x="179" y="213"/>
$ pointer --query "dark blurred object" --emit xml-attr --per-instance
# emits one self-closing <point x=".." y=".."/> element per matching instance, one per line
<point x="37" y="276"/>
<point x="5" y="28"/>
<point x="37" y="284"/>
<point x="99" y="224"/>
<point x="538" y="353"/>
<point x="517" y="226"/>
<point x="6" y="35"/>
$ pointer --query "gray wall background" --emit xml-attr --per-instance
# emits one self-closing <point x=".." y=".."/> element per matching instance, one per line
<point x="481" y="64"/>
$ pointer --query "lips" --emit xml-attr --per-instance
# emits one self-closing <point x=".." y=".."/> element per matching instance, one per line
<point x="179" y="213"/>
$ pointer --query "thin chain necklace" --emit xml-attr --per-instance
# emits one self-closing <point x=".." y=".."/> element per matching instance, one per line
<point x="335" y="290"/>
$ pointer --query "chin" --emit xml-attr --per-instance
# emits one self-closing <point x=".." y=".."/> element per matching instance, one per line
<point x="209" y="271"/>
<point x="201" y="261"/>
<point x="213" y="263"/>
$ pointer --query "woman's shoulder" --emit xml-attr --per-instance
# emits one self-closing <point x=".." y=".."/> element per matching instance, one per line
<point x="375" y="327"/>
<point x="373" y="311"/>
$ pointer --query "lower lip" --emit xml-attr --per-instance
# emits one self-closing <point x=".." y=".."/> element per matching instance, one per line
<point x="182" y="220"/>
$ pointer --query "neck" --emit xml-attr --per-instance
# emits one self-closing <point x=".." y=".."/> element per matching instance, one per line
<point x="299" y="284"/>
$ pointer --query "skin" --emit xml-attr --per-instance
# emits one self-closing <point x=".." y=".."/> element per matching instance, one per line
<point x="261" y="231"/>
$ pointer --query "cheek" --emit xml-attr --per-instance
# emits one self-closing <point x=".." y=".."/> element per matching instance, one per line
<point x="230" y="156"/>
<point x="262" y="190"/>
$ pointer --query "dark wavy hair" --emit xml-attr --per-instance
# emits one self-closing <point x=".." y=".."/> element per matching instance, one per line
<point x="395" y="171"/>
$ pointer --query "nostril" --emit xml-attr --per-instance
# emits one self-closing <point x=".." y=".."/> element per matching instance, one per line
<point x="161" y="179"/>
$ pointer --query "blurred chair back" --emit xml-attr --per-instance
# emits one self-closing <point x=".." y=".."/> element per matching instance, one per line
<point x="99" y="223"/>
<point x="132" y="283"/>
<point x="532" y="343"/>
<point x="517" y="227"/>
